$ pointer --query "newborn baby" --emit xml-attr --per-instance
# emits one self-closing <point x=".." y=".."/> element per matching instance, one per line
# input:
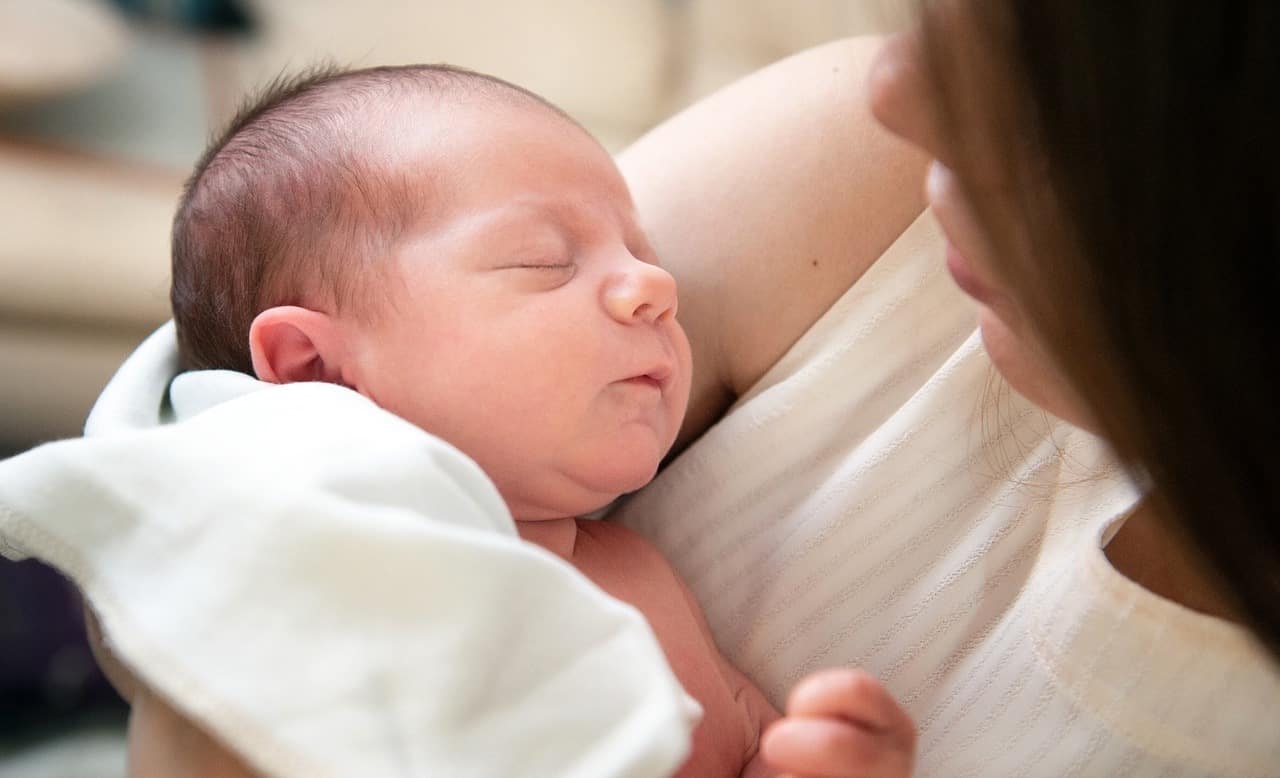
<point x="466" y="256"/>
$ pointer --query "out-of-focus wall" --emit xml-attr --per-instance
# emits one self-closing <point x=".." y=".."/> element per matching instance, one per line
<point x="728" y="38"/>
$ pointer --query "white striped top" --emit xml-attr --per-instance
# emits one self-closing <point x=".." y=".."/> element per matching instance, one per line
<point x="882" y="499"/>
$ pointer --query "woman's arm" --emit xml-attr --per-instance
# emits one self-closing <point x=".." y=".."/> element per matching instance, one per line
<point x="116" y="673"/>
<point x="162" y="743"/>
<point x="767" y="200"/>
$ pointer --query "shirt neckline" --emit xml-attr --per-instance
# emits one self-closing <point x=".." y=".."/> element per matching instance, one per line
<point x="1179" y="684"/>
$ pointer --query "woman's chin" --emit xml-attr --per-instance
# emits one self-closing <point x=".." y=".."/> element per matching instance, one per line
<point x="1028" y="370"/>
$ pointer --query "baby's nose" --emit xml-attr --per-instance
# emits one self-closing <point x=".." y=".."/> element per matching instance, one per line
<point x="642" y="293"/>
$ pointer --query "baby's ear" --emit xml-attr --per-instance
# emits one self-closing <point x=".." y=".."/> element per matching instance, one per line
<point x="290" y="344"/>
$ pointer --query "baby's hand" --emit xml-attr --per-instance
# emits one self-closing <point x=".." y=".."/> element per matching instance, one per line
<point x="841" y="723"/>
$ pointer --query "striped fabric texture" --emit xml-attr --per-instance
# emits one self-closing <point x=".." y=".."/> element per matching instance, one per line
<point x="882" y="499"/>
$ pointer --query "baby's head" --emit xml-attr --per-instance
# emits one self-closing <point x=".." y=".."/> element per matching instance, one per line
<point x="455" y="249"/>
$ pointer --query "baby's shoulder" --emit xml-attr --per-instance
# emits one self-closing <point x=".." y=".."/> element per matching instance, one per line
<point x="609" y="538"/>
<point x="608" y="551"/>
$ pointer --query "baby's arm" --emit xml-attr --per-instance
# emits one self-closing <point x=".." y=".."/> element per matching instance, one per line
<point x="841" y="723"/>
<point x="761" y="713"/>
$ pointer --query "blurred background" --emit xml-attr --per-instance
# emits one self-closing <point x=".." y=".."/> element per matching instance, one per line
<point x="104" y="107"/>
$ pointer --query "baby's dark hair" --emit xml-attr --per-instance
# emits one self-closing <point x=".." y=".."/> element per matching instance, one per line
<point x="294" y="205"/>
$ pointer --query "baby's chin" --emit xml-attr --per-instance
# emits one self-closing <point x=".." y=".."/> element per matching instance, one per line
<point x="584" y="491"/>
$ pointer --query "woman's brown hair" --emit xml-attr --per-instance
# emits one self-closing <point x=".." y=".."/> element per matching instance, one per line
<point x="1142" y="144"/>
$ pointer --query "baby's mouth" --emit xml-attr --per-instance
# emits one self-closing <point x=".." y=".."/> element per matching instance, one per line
<point x="655" y="377"/>
<point x="644" y="381"/>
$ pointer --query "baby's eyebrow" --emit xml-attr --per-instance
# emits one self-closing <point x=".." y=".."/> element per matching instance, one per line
<point x="522" y="218"/>
<point x="497" y="233"/>
<point x="527" y="221"/>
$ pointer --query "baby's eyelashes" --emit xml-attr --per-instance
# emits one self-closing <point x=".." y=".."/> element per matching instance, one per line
<point x="540" y="266"/>
<point x="543" y="275"/>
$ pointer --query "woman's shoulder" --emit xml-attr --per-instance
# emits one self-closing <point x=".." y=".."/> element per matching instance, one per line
<point x="767" y="200"/>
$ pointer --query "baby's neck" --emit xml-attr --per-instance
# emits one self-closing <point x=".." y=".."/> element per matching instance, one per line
<point x="555" y="535"/>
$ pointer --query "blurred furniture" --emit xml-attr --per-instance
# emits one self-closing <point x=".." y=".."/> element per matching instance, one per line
<point x="101" y="116"/>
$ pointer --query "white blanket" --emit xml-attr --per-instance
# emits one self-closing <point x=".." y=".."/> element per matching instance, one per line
<point x="332" y="591"/>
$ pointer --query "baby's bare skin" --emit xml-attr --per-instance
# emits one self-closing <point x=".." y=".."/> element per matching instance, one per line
<point x="735" y="713"/>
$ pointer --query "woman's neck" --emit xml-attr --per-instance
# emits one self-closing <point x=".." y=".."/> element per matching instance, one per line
<point x="559" y="536"/>
<point x="1146" y="552"/>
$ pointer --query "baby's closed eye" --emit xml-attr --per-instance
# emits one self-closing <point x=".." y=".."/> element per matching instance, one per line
<point x="549" y="265"/>
<point x="541" y="274"/>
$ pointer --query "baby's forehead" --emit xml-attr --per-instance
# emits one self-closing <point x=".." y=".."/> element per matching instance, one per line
<point x="431" y="144"/>
<point x="409" y="117"/>
<point x="481" y="155"/>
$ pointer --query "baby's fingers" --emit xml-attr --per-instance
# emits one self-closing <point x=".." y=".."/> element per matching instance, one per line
<point x="831" y="748"/>
<point x="857" y="697"/>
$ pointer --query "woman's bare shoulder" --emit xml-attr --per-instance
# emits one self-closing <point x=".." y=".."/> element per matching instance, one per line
<point x="767" y="200"/>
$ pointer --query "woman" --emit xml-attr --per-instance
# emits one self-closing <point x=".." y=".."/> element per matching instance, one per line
<point x="1169" y="241"/>
<point x="1107" y="181"/>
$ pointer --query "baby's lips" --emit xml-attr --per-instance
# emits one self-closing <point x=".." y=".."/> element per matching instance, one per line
<point x="661" y="373"/>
